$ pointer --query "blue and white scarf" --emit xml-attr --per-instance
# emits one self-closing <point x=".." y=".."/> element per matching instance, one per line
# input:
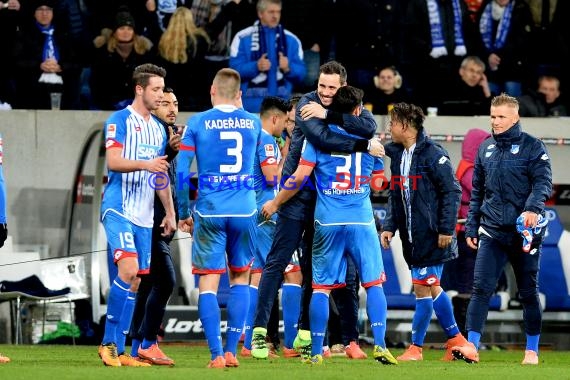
<point x="259" y="47"/>
<point x="50" y="51"/>
<point x="486" y="26"/>
<point x="438" y="48"/>
<point x="258" y="43"/>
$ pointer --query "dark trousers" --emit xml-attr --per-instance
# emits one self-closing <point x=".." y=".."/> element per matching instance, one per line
<point x="306" y="263"/>
<point x="492" y="256"/>
<point x="288" y="236"/>
<point x="154" y="291"/>
<point x="458" y="275"/>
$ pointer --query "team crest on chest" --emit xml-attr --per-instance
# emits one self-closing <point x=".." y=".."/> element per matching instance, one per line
<point x="515" y="149"/>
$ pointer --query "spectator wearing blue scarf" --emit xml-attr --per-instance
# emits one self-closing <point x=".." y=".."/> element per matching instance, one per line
<point x="438" y="35"/>
<point x="505" y="27"/>
<point x="44" y="60"/>
<point x="268" y="57"/>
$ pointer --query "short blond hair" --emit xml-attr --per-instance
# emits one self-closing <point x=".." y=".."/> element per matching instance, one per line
<point x="227" y="81"/>
<point x="505" y="100"/>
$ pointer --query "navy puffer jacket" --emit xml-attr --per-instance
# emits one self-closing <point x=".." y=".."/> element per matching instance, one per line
<point x="434" y="201"/>
<point x="512" y="174"/>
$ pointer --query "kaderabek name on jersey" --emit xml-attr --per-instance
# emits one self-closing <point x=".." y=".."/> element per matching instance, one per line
<point x="231" y="123"/>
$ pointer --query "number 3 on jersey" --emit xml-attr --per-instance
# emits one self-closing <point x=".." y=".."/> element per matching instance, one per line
<point x="235" y="151"/>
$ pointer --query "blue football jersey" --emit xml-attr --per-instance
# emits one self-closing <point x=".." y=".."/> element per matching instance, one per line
<point x="223" y="140"/>
<point x="343" y="184"/>
<point x="268" y="153"/>
<point x="131" y="194"/>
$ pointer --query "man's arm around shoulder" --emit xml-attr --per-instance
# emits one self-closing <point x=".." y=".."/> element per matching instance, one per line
<point x="318" y="133"/>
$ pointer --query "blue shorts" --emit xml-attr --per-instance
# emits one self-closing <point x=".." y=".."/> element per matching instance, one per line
<point x="265" y="234"/>
<point x="125" y="239"/>
<point x="428" y="276"/>
<point x="330" y="247"/>
<point x="214" y="237"/>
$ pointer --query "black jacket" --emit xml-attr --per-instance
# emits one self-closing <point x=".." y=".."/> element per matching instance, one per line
<point x="534" y="105"/>
<point x="434" y="198"/>
<point x="512" y="174"/>
<point x="159" y="211"/>
<point x="28" y="53"/>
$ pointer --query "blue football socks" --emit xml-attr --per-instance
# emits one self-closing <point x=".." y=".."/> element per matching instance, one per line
<point x="421" y="320"/>
<point x="238" y="306"/>
<point x="319" y="317"/>
<point x="291" y="305"/>
<point x="209" y="312"/>
<point x="125" y="322"/>
<point x="444" y="313"/>
<point x="376" y="308"/>
<point x="474" y="337"/>
<point x="135" y="344"/>
<point x="115" y="305"/>
<point x="532" y="342"/>
<point x="250" y="315"/>
<point x="147" y="343"/>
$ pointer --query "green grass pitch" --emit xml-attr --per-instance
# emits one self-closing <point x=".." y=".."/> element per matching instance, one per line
<point x="82" y="362"/>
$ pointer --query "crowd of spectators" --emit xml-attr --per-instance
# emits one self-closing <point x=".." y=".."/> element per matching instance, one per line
<point x="434" y="53"/>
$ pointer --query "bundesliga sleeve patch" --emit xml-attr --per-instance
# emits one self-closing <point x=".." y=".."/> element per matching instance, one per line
<point x="111" y="131"/>
<point x="269" y="150"/>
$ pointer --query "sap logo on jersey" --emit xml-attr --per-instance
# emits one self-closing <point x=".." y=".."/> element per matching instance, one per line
<point x="147" y="152"/>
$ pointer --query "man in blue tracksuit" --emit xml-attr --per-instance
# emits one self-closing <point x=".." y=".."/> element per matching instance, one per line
<point x="268" y="57"/>
<point x="512" y="177"/>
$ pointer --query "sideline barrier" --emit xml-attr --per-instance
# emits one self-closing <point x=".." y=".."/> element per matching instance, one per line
<point x="398" y="286"/>
<point x="554" y="275"/>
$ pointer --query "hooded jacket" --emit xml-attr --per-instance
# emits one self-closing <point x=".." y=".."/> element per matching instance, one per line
<point x="464" y="173"/>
